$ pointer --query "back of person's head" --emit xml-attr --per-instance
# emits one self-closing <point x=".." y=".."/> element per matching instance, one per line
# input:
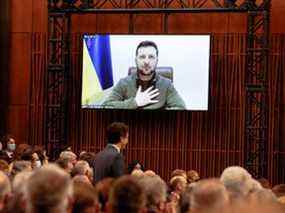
<point x="5" y="189"/>
<point x="279" y="190"/>
<point x="65" y="164"/>
<point x="135" y="165"/>
<point x="81" y="168"/>
<point x="20" y="181"/>
<point x="40" y="152"/>
<point x="127" y="196"/>
<point x="178" y="172"/>
<point x="69" y="155"/>
<point x="237" y="181"/>
<point x="138" y="173"/>
<point x="264" y="183"/>
<point x="85" y="198"/>
<point x="19" y="166"/>
<point x="192" y="176"/>
<point x="81" y="179"/>
<point x="155" y="191"/>
<point x="87" y="156"/>
<point x="49" y="189"/>
<point x="208" y="194"/>
<point x="178" y="183"/>
<point x="103" y="188"/>
<point x="19" y="187"/>
<point x="20" y="149"/>
<point x="149" y="173"/>
<point x="27" y="154"/>
<point x="115" y="131"/>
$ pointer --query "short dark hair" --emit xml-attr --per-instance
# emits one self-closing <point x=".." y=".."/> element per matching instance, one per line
<point x="127" y="195"/>
<point x="147" y="44"/>
<point x="115" y="131"/>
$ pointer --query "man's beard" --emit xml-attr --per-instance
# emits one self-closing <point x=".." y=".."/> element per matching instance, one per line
<point x="141" y="72"/>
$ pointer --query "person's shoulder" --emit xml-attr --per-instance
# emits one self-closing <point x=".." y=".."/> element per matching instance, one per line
<point x="163" y="80"/>
<point x="107" y="151"/>
<point x="127" y="79"/>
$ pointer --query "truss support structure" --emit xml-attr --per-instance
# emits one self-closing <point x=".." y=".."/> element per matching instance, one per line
<point x="256" y="89"/>
<point x="56" y="83"/>
<point x="256" y="67"/>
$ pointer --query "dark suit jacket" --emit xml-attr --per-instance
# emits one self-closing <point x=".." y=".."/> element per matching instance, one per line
<point x="108" y="163"/>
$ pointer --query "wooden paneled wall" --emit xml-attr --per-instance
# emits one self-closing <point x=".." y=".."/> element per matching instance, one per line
<point x="206" y="141"/>
<point x="4" y="62"/>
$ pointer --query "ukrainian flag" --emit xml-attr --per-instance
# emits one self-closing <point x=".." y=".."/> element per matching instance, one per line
<point x="97" y="70"/>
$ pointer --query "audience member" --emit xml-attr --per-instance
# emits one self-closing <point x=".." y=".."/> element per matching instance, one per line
<point x="103" y="188"/>
<point x="9" y="142"/>
<point x="135" y="165"/>
<point x="41" y="152"/>
<point x="89" y="157"/>
<point x="155" y="190"/>
<point x="127" y="196"/>
<point x="69" y="155"/>
<point x="19" y="166"/>
<point x="85" y="199"/>
<point x="179" y="172"/>
<point x="137" y="173"/>
<point x="5" y="190"/>
<point x="192" y="176"/>
<point x="209" y="196"/>
<point x="82" y="168"/>
<point x="20" y="149"/>
<point x="65" y="164"/>
<point x="49" y="190"/>
<point x="237" y="181"/>
<point x="184" y="201"/>
<point x="17" y="202"/>
<point x="149" y="173"/>
<point x="264" y="183"/>
<point x="279" y="190"/>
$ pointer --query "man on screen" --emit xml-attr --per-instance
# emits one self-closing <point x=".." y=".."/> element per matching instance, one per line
<point x="145" y="89"/>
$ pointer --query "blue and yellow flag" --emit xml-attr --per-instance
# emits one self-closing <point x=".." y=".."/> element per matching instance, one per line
<point x="97" y="69"/>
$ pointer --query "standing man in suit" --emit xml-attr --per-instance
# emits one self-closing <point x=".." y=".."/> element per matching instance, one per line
<point x="110" y="162"/>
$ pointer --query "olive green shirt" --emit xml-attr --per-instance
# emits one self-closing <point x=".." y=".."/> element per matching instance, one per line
<point x="123" y="95"/>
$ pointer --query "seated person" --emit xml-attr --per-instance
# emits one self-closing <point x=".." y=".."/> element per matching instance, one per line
<point x="145" y="89"/>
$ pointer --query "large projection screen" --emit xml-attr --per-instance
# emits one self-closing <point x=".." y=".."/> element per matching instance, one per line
<point x="109" y="59"/>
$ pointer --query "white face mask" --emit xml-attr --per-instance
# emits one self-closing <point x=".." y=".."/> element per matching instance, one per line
<point x="38" y="164"/>
<point x="11" y="146"/>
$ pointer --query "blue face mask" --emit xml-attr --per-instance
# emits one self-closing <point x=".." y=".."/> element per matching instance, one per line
<point x="11" y="146"/>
